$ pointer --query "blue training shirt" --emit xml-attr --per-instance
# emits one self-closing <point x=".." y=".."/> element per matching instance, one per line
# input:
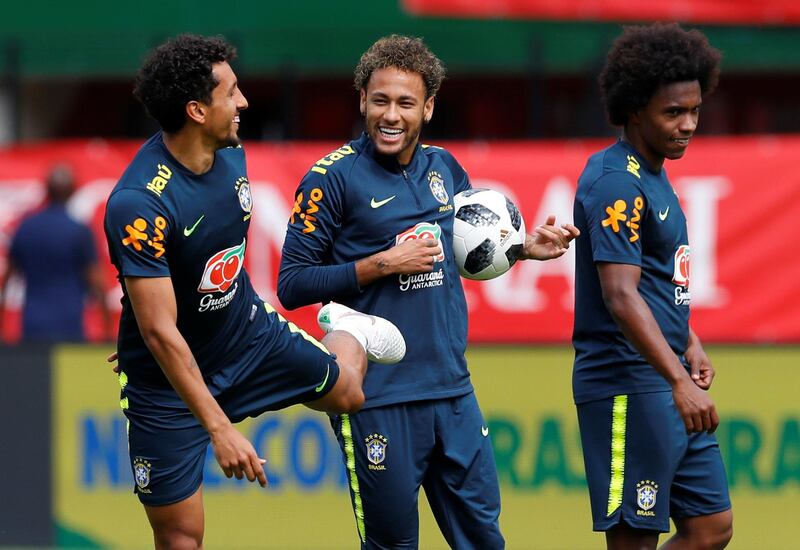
<point x="162" y="220"/>
<point x="354" y="203"/>
<point x="54" y="253"/>
<point x="627" y="214"/>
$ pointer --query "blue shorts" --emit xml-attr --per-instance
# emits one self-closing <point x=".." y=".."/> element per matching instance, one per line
<point x="168" y="445"/>
<point x="441" y="445"/>
<point x="643" y="468"/>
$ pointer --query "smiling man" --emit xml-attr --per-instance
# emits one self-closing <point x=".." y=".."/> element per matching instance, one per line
<point x="380" y="241"/>
<point x="198" y="349"/>
<point x="640" y="372"/>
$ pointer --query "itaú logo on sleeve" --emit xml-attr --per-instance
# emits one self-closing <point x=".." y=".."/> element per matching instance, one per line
<point x="219" y="275"/>
<point x="680" y="275"/>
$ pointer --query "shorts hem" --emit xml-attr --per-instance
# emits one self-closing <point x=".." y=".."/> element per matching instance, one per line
<point x="169" y="501"/>
<point x="696" y="512"/>
<point x="600" y="526"/>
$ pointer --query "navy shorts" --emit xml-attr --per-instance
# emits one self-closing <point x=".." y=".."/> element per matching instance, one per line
<point x="441" y="445"/>
<point x="168" y="445"/>
<point x="643" y="468"/>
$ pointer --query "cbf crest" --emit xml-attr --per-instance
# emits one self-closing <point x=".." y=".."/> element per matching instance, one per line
<point x="646" y="491"/>
<point x="376" y="450"/>
<point x="141" y="473"/>
<point x="242" y="186"/>
<point x="436" y="183"/>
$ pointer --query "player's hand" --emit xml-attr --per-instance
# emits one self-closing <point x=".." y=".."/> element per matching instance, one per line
<point x="548" y="241"/>
<point x="110" y="359"/>
<point x="702" y="372"/>
<point x="413" y="256"/>
<point x="237" y="456"/>
<point x="695" y="407"/>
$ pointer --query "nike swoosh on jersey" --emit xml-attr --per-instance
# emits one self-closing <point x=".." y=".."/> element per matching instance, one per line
<point x="377" y="204"/>
<point x="663" y="215"/>
<point x="322" y="385"/>
<point x="188" y="231"/>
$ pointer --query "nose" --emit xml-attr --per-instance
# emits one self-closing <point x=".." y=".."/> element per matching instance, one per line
<point x="688" y="123"/>
<point x="392" y="113"/>
<point x="242" y="103"/>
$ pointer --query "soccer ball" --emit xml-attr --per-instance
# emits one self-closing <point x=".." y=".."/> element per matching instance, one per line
<point x="488" y="233"/>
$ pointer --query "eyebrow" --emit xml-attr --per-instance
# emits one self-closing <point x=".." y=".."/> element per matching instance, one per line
<point x="403" y="97"/>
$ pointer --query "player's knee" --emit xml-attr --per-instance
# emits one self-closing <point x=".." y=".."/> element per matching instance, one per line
<point x="713" y="536"/>
<point x="351" y="401"/>
<point x="177" y="540"/>
<point x="719" y="537"/>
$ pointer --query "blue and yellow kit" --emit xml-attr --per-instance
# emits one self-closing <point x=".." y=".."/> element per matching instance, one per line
<point x="162" y="220"/>
<point x="421" y="424"/>
<point x="641" y="466"/>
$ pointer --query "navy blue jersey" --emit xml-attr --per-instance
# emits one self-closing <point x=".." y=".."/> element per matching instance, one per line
<point x="162" y="220"/>
<point x="627" y="214"/>
<point x="54" y="253"/>
<point x="354" y="203"/>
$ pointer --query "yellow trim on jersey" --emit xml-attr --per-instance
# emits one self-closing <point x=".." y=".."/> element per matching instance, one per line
<point x="294" y="329"/>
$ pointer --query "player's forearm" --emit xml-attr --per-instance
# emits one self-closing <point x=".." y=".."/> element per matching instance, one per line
<point x="372" y="268"/>
<point x="637" y="323"/>
<point x="179" y="366"/>
<point x="303" y="285"/>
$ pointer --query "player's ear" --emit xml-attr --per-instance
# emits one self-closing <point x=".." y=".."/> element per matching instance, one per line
<point x="427" y="110"/>
<point x="196" y="111"/>
<point x="362" y="103"/>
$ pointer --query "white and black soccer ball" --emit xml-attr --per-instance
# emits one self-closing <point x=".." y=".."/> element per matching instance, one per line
<point x="488" y="233"/>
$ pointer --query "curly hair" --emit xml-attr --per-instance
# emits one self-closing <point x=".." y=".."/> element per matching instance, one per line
<point x="177" y="72"/>
<point x="406" y="53"/>
<point x="644" y="58"/>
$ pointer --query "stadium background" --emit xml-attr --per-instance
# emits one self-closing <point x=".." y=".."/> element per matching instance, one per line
<point x="520" y="111"/>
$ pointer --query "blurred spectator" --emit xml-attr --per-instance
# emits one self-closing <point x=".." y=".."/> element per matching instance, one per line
<point x="56" y="257"/>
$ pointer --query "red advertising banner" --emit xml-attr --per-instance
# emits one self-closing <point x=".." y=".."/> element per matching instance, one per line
<point x="740" y="196"/>
<point x="771" y="12"/>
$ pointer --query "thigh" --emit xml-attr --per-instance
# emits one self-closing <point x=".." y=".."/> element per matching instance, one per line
<point x="632" y="445"/>
<point x="287" y="367"/>
<point x="167" y="445"/>
<point x="700" y="486"/>
<point x="385" y="451"/>
<point x="461" y="483"/>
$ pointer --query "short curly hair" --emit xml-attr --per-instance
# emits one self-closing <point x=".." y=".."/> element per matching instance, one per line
<point x="644" y="58"/>
<point x="177" y="72"/>
<point x="406" y="53"/>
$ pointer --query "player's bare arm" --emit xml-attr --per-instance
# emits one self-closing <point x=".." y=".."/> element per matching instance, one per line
<point x="548" y="240"/>
<point x="620" y="283"/>
<point x="413" y="256"/>
<point x="702" y="371"/>
<point x="153" y="301"/>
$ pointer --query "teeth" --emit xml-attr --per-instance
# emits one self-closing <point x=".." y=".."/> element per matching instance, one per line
<point x="391" y="131"/>
<point x="236" y="118"/>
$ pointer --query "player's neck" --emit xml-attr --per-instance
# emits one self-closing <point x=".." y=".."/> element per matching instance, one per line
<point x="654" y="161"/>
<point x="190" y="150"/>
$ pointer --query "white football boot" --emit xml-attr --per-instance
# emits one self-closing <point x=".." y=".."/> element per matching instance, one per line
<point x="380" y="338"/>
